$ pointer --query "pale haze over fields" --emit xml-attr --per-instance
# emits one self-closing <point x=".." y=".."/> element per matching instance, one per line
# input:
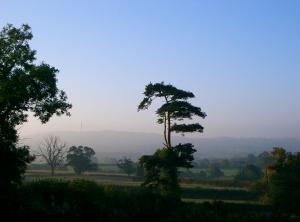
<point x="241" y="59"/>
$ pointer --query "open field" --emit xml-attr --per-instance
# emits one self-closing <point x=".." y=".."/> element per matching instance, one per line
<point x="227" y="172"/>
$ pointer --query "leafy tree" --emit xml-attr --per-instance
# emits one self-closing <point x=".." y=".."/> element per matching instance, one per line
<point x="80" y="158"/>
<point x="249" y="173"/>
<point x="161" y="171"/>
<point x="53" y="151"/>
<point x="127" y="165"/>
<point x="283" y="181"/>
<point x="24" y="86"/>
<point x="161" y="167"/>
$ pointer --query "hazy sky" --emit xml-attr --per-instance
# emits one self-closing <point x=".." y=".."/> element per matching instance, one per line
<point x="240" y="58"/>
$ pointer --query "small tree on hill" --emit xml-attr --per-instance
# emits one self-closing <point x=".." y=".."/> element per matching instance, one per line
<point x="53" y="151"/>
<point x="127" y="165"/>
<point x="80" y="158"/>
<point x="161" y="167"/>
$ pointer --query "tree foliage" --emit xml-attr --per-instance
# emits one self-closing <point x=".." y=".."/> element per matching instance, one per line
<point x="127" y="165"/>
<point x="13" y="163"/>
<point x="53" y="151"/>
<point x="80" y="159"/>
<point x="162" y="167"/>
<point x="283" y="180"/>
<point x="24" y="87"/>
<point x="175" y="108"/>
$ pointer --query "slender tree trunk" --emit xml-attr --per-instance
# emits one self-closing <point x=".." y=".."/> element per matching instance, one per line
<point x="165" y="130"/>
<point x="169" y="130"/>
<point x="266" y="174"/>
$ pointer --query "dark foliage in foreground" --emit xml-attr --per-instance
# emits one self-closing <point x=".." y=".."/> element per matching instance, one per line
<point x="24" y="87"/>
<point x="281" y="187"/>
<point x="78" y="200"/>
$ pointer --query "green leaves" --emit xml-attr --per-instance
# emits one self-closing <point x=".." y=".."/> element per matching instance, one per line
<point x="161" y="167"/>
<point x="25" y="86"/>
<point x="184" y="153"/>
<point x="283" y="180"/>
<point x="187" y="128"/>
<point x="80" y="158"/>
<point x="160" y="90"/>
<point x="179" y="110"/>
<point x="127" y="165"/>
<point x="15" y="51"/>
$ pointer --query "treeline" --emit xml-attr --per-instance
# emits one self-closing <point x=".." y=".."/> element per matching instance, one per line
<point x="261" y="160"/>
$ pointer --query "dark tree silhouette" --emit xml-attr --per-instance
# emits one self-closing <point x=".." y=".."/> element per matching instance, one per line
<point x="175" y="108"/>
<point x="127" y="165"/>
<point x="282" y="185"/>
<point x="24" y="87"/>
<point x="80" y="158"/>
<point x="161" y="167"/>
<point x="53" y="151"/>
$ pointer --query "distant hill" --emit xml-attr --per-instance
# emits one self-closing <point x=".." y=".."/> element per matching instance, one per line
<point x="115" y="144"/>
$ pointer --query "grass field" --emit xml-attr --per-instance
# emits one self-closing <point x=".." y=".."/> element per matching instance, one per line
<point x="227" y="172"/>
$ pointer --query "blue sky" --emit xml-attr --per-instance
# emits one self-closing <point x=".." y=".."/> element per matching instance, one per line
<point x="240" y="58"/>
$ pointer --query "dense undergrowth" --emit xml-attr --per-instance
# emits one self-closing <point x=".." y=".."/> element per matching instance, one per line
<point x="81" y="200"/>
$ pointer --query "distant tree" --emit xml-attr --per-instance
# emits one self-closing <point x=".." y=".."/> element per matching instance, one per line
<point x="283" y="181"/>
<point x="161" y="167"/>
<point x="53" y="151"/>
<point x="127" y="165"/>
<point x="249" y="173"/>
<point x="214" y="171"/>
<point x="24" y="87"/>
<point x="80" y="159"/>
